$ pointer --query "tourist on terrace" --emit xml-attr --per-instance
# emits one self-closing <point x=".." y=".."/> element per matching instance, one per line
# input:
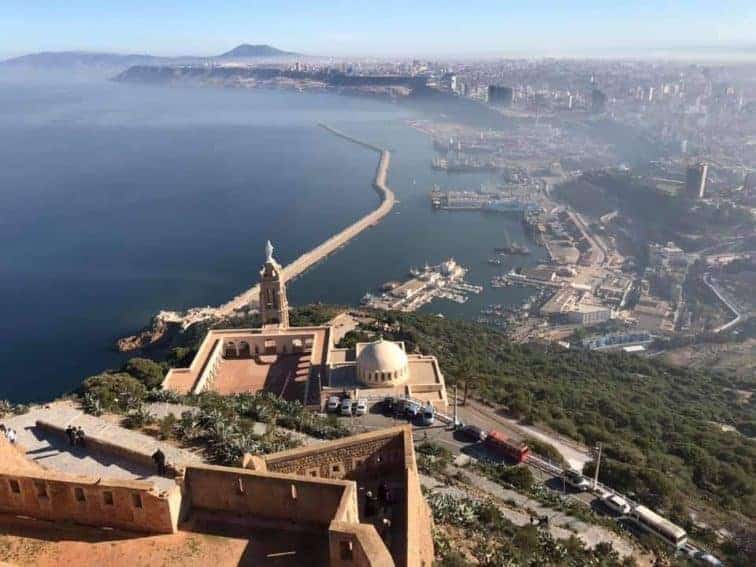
<point x="10" y="433"/>
<point x="159" y="458"/>
<point x="71" y="432"/>
<point x="80" y="438"/>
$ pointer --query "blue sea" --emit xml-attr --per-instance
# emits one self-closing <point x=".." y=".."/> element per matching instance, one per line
<point x="117" y="201"/>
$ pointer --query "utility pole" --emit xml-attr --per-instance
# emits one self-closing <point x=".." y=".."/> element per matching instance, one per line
<point x="456" y="401"/>
<point x="598" y="464"/>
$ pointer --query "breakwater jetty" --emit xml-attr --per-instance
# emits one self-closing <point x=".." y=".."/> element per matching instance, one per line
<point x="249" y="298"/>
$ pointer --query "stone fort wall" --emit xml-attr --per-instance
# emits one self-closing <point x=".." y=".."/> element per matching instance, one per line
<point x="357" y="545"/>
<point x="375" y="456"/>
<point x="370" y="455"/>
<point x="129" y="505"/>
<point x="419" y="550"/>
<point x="271" y="497"/>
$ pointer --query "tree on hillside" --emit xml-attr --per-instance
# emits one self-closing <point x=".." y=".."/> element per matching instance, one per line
<point x="147" y="371"/>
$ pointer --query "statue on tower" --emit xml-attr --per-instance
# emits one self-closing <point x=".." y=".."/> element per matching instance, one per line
<point x="274" y="307"/>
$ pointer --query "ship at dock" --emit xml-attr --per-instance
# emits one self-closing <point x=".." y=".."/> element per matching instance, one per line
<point x="463" y="165"/>
<point x="517" y="206"/>
<point x="479" y="201"/>
<point x="442" y="281"/>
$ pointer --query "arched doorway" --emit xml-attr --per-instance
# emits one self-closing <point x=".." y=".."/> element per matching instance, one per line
<point x="244" y="351"/>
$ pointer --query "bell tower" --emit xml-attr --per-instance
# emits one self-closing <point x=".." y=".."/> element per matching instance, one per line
<point x="274" y="307"/>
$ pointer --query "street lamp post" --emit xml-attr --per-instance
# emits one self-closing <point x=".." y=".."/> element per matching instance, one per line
<point x="598" y="464"/>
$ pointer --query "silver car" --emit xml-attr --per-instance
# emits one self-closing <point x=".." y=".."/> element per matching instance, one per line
<point x="346" y="407"/>
<point x="333" y="404"/>
<point x="361" y="407"/>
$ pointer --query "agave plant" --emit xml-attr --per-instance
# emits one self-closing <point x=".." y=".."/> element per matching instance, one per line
<point x="188" y="426"/>
<point x="91" y="404"/>
<point x="165" y="396"/>
<point x="5" y="408"/>
<point x="138" y="417"/>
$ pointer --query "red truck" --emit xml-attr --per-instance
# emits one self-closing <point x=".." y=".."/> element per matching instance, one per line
<point x="500" y="443"/>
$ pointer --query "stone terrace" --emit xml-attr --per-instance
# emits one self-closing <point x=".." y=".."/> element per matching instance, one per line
<point x="52" y="451"/>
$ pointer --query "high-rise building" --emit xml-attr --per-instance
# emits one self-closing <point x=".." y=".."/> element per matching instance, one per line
<point x="274" y="307"/>
<point x="695" y="180"/>
<point x="749" y="183"/>
<point x="598" y="101"/>
<point x="500" y="96"/>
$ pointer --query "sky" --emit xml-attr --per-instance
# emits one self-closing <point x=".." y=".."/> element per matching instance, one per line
<point x="423" y="28"/>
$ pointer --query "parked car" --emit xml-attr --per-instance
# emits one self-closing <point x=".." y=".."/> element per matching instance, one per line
<point x="360" y="408"/>
<point x="412" y="409"/>
<point x="577" y="480"/>
<point x="346" y="407"/>
<point x="428" y="414"/>
<point x="333" y="403"/>
<point x="617" y="504"/>
<point x="475" y="433"/>
<point x="389" y="405"/>
<point x="707" y="559"/>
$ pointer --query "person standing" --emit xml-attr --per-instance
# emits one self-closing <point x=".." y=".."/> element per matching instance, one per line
<point x="11" y="435"/>
<point x="71" y="432"/>
<point x="159" y="458"/>
<point x="80" y="437"/>
<point x="370" y="504"/>
<point x="385" y="531"/>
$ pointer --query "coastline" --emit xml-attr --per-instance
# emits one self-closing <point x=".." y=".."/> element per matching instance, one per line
<point x="249" y="298"/>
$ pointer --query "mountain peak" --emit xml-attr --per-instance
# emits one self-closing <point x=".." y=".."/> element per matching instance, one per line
<point x="249" y="50"/>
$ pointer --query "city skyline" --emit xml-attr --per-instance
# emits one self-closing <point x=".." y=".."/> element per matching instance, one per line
<point x="362" y="29"/>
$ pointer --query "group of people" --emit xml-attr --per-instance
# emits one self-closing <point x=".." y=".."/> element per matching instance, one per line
<point x="380" y="504"/>
<point x="9" y="432"/>
<point x="76" y="436"/>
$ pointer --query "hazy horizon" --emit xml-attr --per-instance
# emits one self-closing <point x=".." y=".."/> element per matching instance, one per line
<point x="482" y="29"/>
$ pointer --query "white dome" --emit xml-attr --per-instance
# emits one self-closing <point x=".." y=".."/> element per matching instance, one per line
<point x="382" y="362"/>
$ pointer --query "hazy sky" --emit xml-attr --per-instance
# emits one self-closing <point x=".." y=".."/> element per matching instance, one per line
<point x="376" y="27"/>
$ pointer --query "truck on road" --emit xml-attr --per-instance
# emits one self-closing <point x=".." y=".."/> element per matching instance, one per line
<point x="499" y="443"/>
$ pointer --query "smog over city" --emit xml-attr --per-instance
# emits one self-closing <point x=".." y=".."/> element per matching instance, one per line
<point x="374" y="284"/>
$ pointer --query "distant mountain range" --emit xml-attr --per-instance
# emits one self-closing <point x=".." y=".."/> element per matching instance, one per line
<point x="69" y="60"/>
